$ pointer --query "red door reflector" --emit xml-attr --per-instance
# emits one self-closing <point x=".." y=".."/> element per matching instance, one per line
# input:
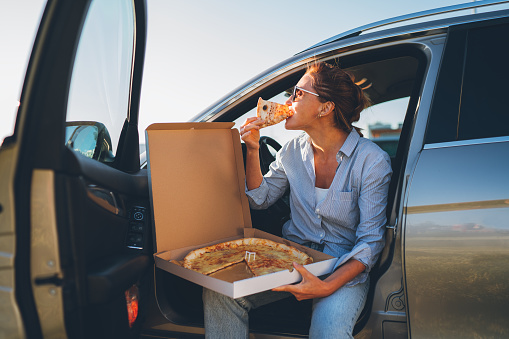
<point x="131" y="298"/>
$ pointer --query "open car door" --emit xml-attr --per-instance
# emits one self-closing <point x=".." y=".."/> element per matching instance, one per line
<point x="74" y="202"/>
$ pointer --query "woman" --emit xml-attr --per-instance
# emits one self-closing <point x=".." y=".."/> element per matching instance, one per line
<point x="339" y="183"/>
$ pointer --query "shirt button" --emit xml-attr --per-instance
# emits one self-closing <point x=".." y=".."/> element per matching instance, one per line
<point x="317" y="210"/>
<point x="322" y="234"/>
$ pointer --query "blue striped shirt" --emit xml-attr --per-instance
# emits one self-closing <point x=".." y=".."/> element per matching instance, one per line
<point x="350" y="221"/>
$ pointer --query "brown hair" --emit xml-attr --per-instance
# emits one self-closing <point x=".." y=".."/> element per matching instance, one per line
<point x="338" y="86"/>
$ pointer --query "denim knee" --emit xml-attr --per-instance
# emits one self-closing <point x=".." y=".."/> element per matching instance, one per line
<point x="335" y="316"/>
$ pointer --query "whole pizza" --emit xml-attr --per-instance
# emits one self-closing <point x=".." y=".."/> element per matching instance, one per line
<point x="262" y="256"/>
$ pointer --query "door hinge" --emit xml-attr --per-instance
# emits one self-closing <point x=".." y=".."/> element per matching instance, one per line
<point x="393" y="227"/>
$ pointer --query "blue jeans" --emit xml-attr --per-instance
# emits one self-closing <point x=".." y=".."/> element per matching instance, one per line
<point x="333" y="316"/>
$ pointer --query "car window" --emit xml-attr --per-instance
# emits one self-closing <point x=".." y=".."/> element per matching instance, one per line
<point x="100" y="84"/>
<point x="389" y="84"/>
<point x="483" y="111"/>
<point x="469" y="100"/>
<point x="382" y="123"/>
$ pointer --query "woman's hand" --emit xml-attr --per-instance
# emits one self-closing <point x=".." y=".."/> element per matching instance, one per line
<point x="312" y="287"/>
<point x="250" y="133"/>
<point x="309" y="288"/>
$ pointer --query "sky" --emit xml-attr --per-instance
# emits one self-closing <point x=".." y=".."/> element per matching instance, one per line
<point x="198" y="51"/>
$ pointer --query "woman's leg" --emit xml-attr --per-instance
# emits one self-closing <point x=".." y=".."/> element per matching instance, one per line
<point x="335" y="316"/>
<point x="228" y="318"/>
<point x="225" y="317"/>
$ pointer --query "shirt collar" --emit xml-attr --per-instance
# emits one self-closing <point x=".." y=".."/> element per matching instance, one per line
<point x="305" y="142"/>
<point x="350" y="143"/>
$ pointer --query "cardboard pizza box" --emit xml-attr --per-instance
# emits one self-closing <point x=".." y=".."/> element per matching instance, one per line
<point x="197" y="192"/>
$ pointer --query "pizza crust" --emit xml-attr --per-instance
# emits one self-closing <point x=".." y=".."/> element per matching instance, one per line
<point x="270" y="256"/>
<point x="271" y="112"/>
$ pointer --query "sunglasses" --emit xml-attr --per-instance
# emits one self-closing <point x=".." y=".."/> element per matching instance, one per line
<point x="297" y="92"/>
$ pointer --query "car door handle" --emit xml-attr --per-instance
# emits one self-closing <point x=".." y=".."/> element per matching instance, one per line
<point x="105" y="198"/>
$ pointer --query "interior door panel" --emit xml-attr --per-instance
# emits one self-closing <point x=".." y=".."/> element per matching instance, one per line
<point x="101" y="209"/>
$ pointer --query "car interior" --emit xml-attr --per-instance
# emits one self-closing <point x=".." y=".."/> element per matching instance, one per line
<point x="392" y="74"/>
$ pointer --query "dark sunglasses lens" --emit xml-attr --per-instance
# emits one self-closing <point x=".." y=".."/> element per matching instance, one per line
<point x="296" y="93"/>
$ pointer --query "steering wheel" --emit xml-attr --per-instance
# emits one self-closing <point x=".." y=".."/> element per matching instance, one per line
<point x="266" y="157"/>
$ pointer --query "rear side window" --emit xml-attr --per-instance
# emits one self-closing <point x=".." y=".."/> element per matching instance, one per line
<point x="469" y="101"/>
<point x="483" y="110"/>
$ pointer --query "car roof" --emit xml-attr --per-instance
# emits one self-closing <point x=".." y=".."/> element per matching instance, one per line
<point x="424" y="26"/>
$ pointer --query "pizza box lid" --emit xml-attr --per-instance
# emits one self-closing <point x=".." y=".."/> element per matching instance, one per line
<point x="196" y="182"/>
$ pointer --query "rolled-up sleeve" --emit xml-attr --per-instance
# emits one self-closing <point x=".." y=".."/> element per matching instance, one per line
<point x="273" y="186"/>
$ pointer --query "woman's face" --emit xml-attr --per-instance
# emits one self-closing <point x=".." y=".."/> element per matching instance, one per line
<point x="305" y="106"/>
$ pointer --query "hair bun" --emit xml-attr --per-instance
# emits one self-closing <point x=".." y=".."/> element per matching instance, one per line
<point x="339" y="86"/>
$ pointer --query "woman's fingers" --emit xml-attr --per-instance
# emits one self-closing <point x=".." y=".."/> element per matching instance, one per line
<point x="249" y="132"/>
<point x="303" y="271"/>
<point x="250" y="120"/>
<point x="250" y="124"/>
<point x="310" y="286"/>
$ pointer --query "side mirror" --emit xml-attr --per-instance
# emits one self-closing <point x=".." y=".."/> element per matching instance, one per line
<point x="89" y="138"/>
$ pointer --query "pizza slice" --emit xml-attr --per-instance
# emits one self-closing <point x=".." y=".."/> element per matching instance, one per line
<point x="272" y="112"/>
<point x="210" y="259"/>
<point x="277" y="257"/>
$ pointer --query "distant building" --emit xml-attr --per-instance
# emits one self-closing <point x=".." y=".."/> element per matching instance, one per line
<point x="385" y="136"/>
<point x="381" y="130"/>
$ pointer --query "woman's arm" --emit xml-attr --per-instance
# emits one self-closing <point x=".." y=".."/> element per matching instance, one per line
<point x="312" y="287"/>
<point x="254" y="174"/>
<point x="250" y="134"/>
